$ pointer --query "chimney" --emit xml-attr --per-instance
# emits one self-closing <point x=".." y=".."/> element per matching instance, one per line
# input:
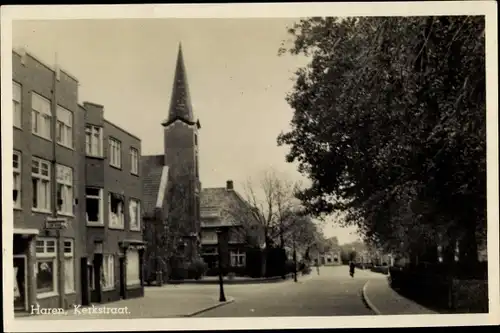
<point x="229" y="185"/>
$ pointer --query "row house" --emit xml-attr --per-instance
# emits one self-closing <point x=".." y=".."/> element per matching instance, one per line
<point x="55" y="244"/>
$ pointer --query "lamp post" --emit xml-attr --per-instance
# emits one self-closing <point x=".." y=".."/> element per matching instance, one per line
<point x="222" y="296"/>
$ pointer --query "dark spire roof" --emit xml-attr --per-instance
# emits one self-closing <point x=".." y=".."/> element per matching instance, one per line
<point x="180" y="101"/>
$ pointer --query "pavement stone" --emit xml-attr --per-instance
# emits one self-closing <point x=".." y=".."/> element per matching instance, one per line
<point x="383" y="300"/>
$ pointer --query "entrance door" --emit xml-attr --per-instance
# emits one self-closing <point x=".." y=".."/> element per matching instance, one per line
<point x="122" y="278"/>
<point x="86" y="274"/>
<point x="20" y="283"/>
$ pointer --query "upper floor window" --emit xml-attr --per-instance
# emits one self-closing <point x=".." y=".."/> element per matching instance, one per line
<point x="94" y="205"/>
<point x="40" y="175"/>
<point x="93" y="141"/>
<point x="134" y="161"/>
<point x="41" y="116"/>
<point x="116" y="211"/>
<point x="115" y="153"/>
<point x="64" y="177"/>
<point x="16" y="104"/>
<point x="135" y="215"/>
<point x="16" y="166"/>
<point x="64" y="127"/>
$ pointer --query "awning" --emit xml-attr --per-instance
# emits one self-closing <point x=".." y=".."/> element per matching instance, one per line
<point x="132" y="243"/>
<point x="26" y="231"/>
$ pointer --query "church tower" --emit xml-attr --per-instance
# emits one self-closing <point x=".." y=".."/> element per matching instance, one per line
<point x="181" y="157"/>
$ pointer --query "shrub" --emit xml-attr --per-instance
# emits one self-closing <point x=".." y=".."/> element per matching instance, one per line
<point x="196" y="269"/>
<point x="306" y="270"/>
<point x="289" y="266"/>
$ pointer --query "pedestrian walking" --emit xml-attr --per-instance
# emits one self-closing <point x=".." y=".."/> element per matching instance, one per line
<point x="351" y="268"/>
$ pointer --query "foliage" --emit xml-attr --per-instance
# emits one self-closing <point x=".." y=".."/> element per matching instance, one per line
<point x="389" y="124"/>
<point x="197" y="269"/>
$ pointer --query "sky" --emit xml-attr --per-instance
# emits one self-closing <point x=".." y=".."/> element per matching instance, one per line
<point x="237" y="82"/>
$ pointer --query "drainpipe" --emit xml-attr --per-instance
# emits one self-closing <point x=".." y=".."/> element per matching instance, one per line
<point x="55" y="203"/>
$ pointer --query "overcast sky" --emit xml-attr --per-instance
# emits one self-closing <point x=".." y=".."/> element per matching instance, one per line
<point x="237" y="83"/>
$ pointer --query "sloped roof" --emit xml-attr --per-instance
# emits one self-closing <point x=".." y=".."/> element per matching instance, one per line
<point x="215" y="197"/>
<point x="152" y="167"/>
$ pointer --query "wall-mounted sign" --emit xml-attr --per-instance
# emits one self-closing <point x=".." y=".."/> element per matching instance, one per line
<point x="56" y="223"/>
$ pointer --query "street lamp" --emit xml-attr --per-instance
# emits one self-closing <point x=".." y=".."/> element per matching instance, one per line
<point x="222" y="296"/>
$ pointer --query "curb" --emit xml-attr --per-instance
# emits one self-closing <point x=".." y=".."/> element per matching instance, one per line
<point x="368" y="301"/>
<point x="228" y="301"/>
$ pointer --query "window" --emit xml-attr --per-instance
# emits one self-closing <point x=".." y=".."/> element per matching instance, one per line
<point x="135" y="215"/>
<point x="16" y="104"/>
<point x="41" y="116"/>
<point x="237" y="258"/>
<point x="133" y="274"/>
<point x="134" y="161"/>
<point x="93" y="141"/>
<point x="116" y="216"/>
<point x="40" y="176"/>
<point x="64" y="177"/>
<point x="46" y="268"/>
<point x="16" y="188"/>
<point x="69" y="266"/>
<point x="108" y="272"/>
<point x="209" y="237"/>
<point x="115" y="153"/>
<point x="64" y="127"/>
<point x="94" y="204"/>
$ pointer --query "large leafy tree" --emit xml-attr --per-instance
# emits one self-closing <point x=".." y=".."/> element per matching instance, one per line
<point x="389" y="125"/>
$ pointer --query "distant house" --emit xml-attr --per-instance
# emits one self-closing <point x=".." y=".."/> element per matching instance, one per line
<point x="222" y="208"/>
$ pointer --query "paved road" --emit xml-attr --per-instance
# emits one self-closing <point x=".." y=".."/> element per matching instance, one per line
<point x="332" y="293"/>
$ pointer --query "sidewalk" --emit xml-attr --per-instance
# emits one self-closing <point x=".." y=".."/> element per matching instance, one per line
<point x="168" y="301"/>
<point x="383" y="300"/>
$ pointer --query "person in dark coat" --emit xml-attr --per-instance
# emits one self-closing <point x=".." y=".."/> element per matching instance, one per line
<point x="352" y="266"/>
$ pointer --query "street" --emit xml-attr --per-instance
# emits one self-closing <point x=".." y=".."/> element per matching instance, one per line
<point x="332" y="293"/>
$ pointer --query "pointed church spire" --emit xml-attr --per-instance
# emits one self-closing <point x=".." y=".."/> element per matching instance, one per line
<point x="180" y="101"/>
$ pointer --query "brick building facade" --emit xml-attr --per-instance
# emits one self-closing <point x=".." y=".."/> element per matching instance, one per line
<point x="56" y="184"/>
<point x="49" y="176"/>
<point x="114" y="197"/>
